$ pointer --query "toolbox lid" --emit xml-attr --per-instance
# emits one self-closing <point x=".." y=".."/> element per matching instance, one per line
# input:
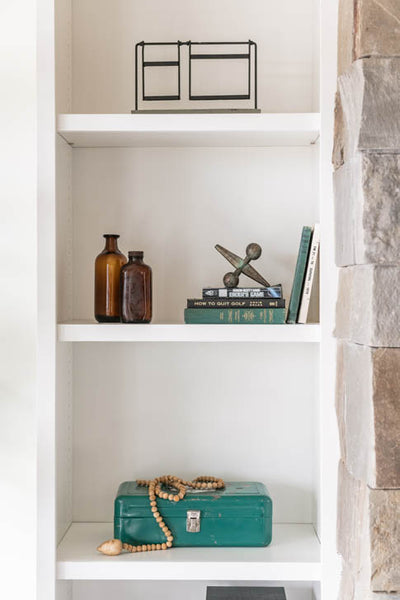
<point x="237" y="499"/>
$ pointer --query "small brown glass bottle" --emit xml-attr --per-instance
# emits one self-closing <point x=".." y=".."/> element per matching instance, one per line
<point x="136" y="290"/>
<point x="106" y="281"/>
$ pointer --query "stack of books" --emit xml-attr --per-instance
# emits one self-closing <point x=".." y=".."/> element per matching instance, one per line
<point x="249" y="306"/>
<point x="304" y="275"/>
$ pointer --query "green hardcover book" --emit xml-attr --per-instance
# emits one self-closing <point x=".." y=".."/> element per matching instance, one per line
<point x="232" y="316"/>
<point x="298" y="280"/>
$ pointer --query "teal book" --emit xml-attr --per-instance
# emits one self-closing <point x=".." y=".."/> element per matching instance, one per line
<point x="235" y="316"/>
<point x="299" y="274"/>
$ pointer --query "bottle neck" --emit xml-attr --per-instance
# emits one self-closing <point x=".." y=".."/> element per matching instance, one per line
<point x="111" y="244"/>
<point x="135" y="260"/>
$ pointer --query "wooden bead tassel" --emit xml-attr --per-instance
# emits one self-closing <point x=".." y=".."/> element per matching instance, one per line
<point x="114" y="547"/>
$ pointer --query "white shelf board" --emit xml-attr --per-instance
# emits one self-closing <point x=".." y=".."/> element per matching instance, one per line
<point x="294" y="555"/>
<point x="201" y="130"/>
<point x="122" y="332"/>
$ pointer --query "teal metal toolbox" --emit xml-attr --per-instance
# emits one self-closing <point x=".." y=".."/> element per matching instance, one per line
<point x="238" y="515"/>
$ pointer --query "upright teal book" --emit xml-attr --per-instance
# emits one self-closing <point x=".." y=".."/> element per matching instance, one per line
<point x="299" y="274"/>
<point x="232" y="316"/>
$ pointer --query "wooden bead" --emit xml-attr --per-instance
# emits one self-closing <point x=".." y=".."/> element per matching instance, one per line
<point x="133" y="549"/>
<point x="164" y="546"/>
<point x="158" y="546"/>
<point x="171" y="497"/>
<point x="153" y="546"/>
<point x="153" y="503"/>
<point x="139" y="548"/>
<point x="159" y="519"/>
<point x="165" y="528"/>
<point x="169" y="544"/>
<point x="144" y="548"/>
<point x="170" y="538"/>
<point x="156" y="514"/>
<point x="164" y="496"/>
<point x="176" y="498"/>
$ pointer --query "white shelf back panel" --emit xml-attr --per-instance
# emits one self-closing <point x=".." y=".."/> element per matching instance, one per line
<point x="142" y="410"/>
<point x="104" y="34"/>
<point x="176" y="204"/>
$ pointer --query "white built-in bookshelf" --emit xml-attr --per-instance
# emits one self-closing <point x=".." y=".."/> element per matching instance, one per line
<point x="119" y="332"/>
<point x="179" y="398"/>
<point x="294" y="556"/>
<point x="189" y="130"/>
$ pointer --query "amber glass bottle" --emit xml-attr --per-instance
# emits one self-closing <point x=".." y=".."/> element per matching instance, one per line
<point x="106" y="281"/>
<point x="136" y="290"/>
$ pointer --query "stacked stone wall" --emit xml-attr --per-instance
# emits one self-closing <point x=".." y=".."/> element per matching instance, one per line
<point x="366" y="159"/>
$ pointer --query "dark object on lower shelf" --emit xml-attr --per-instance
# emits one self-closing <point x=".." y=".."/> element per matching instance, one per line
<point x="245" y="593"/>
<point x="239" y="515"/>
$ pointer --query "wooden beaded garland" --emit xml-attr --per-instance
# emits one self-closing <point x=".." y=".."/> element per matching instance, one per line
<point x="114" y="547"/>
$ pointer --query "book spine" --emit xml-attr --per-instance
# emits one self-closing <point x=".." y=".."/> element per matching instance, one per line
<point x="299" y="274"/>
<point x="309" y="278"/>
<point x="239" y="316"/>
<point x="269" y="292"/>
<point x="236" y="303"/>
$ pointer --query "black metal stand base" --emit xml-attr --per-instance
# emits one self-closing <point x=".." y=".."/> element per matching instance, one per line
<point x="206" y="111"/>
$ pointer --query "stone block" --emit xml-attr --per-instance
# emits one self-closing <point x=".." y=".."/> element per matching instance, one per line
<point x="369" y="98"/>
<point x="339" y="140"/>
<point x="367" y="28"/>
<point x="367" y="209"/>
<point x="346" y="35"/>
<point x="368" y="401"/>
<point x="350" y="589"/>
<point x="368" y="305"/>
<point x="352" y="521"/>
<point x="369" y="533"/>
<point x="340" y="397"/>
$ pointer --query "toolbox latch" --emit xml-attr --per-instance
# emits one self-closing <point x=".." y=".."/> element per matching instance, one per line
<point x="193" y="521"/>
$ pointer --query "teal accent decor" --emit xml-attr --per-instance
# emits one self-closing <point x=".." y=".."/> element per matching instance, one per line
<point x="239" y="515"/>
<point x="298" y="280"/>
<point x="239" y="316"/>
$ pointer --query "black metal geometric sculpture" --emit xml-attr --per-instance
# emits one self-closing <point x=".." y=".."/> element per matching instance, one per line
<point x="197" y="51"/>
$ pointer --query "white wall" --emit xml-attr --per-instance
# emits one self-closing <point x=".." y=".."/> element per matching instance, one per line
<point x="17" y="298"/>
<point x="176" y="204"/>
<point x="104" y="34"/>
<point x="144" y="409"/>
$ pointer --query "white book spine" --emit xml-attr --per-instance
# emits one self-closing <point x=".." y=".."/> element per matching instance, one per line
<point x="309" y="278"/>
